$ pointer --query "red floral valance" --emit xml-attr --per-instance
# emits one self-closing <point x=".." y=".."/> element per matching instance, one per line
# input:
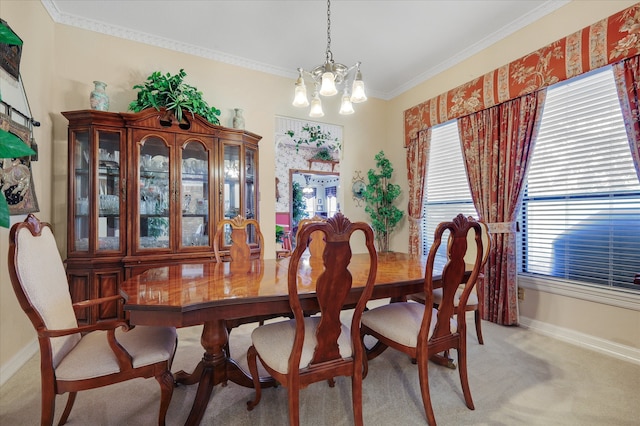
<point x="607" y="41"/>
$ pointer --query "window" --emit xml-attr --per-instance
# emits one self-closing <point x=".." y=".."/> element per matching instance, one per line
<point x="581" y="208"/>
<point x="447" y="188"/>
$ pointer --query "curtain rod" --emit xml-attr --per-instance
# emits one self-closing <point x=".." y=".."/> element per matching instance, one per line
<point x="26" y="117"/>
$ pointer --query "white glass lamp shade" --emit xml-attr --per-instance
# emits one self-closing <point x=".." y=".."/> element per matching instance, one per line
<point x="300" y="96"/>
<point x="358" y="95"/>
<point x="328" y="87"/>
<point x="346" y="107"/>
<point x="316" y="106"/>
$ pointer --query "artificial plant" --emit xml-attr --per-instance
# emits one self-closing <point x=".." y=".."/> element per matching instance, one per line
<point x="171" y="92"/>
<point x="297" y="203"/>
<point x="11" y="146"/>
<point x="314" y="136"/>
<point x="379" y="196"/>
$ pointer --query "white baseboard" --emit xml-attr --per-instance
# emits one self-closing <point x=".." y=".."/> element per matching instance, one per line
<point x="18" y="360"/>
<point x="626" y="353"/>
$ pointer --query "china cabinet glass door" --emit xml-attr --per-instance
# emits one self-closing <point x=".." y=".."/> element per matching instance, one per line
<point x="154" y="194"/>
<point x="238" y="187"/>
<point x="194" y="194"/>
<point x="81" y="160"/>
<point x="97" y="225"/>
<point x="110" y="192"/>
<point x="250" y="196"/>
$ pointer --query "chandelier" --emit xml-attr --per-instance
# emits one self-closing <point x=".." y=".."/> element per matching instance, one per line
<point x="327" y="78"/>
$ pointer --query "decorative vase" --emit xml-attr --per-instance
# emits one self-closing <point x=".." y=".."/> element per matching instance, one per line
<point x="238" y="119"/>
<point x="99" y="99"/>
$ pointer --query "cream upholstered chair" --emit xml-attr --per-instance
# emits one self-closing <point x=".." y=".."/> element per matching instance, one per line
<point x="72" y="357"/>
<point x="422" y="332"/>
<point x="473" y="304"/>
<point x="305" y="350"/>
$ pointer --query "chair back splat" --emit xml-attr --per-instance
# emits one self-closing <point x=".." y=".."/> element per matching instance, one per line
<point x="245" y="236"/>
<point x="308" y="349"/>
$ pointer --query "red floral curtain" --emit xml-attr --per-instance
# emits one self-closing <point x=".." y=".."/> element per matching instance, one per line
<point x="417" y="159"/>
<point x="497" y="144"/>
<point x="627" y="75"/>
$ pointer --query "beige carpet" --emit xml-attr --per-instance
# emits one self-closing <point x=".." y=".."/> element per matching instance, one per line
<point x="517" y="378"/>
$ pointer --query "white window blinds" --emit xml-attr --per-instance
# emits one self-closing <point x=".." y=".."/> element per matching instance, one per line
<point x="447" y="188"/>
<point x="581" y="209"/>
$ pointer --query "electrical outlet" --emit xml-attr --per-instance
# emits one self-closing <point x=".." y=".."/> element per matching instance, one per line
<point x="521" y="294"/>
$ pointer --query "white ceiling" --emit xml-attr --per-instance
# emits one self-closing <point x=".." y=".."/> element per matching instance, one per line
<point x="400" y="43"/>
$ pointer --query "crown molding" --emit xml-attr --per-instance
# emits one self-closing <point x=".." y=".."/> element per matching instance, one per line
<point x="153" y="40"/>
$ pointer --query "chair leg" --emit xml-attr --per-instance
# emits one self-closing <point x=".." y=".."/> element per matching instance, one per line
<point x="253" y="369"/>
<point x="356" y="395"/>
<point x="464" y="378"/>
<point x="478" y="326"/>
<point x="48" y="406"/>
<point x="423" y="375"/>
<point x="294" y="406"/>
<point x="67" y="408"/>
<point x="166" y="392"/>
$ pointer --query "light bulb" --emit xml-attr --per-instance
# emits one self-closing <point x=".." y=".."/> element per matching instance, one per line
<point x="300" y="94"/>
<point x="316" y="106"/>
<point x="357" y="93"/>
<point x="328" y="87"/>
<point x="346" y="107"/>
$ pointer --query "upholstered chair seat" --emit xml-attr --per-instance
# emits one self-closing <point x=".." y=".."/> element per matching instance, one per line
<point x="146" y="345"/>
<point x="274" y="343"/>
<point x="401" y="322"/>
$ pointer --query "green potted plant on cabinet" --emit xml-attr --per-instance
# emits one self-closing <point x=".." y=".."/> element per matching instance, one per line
<point x="379" y="196"/>
<point x="171" y="92"/>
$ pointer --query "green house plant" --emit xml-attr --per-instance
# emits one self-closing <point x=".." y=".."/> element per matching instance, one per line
<point x="171" y="92"/>
<point x="379" y="196"/>
<point x="11" y="146"/>
<point x="297" y="203"/>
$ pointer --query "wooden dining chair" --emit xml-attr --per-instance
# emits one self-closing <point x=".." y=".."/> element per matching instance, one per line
<point x="305" y="349"/>
<point x="242" y="230"/>
<point x="423" y="332"/>
<point x="72" y="357"/>
<point x="240" y="252"/>
<point x="316" y="245"/>
<point x="474" y="302"/>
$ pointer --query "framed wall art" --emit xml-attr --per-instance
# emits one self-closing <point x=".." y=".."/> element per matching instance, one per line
<point x="16" y="182"/>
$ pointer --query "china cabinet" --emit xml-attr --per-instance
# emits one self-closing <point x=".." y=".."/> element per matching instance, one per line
<point x="145" y="191"/>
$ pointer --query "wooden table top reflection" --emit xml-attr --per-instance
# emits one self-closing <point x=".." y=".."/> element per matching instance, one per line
<point x="210" y="293"/>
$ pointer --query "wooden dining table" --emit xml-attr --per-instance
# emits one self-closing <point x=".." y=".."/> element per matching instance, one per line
<point x="208" y="294"/>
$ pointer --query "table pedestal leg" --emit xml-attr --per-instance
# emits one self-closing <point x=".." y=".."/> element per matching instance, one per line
<point x="214" y="368"/>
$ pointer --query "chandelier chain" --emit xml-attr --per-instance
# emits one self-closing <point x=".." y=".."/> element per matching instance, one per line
<point x="329" y="54"/>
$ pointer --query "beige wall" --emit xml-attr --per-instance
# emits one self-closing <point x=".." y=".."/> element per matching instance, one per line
<point x="59" y="64"/>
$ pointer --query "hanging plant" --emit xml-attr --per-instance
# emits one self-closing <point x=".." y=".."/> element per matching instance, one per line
<point x="314" y="136"/>
<point x="171" y="92"/>
<point x="379" y="196"/>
